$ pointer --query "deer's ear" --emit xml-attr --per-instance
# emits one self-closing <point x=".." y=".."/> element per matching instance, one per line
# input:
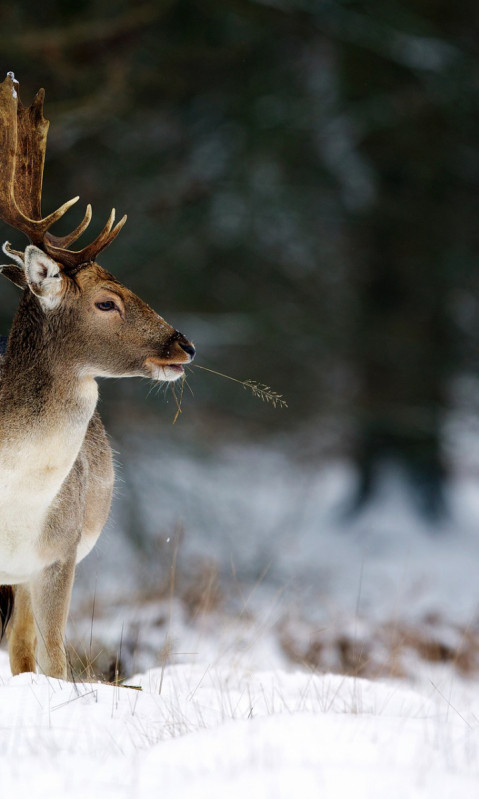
<point x="15" y="274"/>
<point x="43" y="276"/>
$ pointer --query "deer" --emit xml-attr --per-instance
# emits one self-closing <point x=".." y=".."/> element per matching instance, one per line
<point x="75" y="322"/>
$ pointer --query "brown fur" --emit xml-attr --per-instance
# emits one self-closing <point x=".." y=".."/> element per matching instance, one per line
<point x="47" y="380"/>
<point x="75" y="322"/>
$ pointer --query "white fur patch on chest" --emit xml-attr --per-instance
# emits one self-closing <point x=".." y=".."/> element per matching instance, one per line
<point x="31" y="474"/>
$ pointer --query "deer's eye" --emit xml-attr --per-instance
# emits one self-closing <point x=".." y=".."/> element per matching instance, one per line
<point x="106" y="305"/>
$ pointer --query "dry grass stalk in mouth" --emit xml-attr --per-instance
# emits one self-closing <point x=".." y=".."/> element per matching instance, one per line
<point x="260" y="390"/>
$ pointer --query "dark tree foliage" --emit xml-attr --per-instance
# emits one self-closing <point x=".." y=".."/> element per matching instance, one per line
<point x="301" y="180"/>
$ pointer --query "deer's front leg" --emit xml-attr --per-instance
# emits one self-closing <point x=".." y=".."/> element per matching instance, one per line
<point x="21" y="633"/>
<point x="51" y="592"/>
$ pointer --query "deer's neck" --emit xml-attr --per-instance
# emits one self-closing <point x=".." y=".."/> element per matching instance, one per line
<point x="41" y="389"/>
<point x="45" y="409"/>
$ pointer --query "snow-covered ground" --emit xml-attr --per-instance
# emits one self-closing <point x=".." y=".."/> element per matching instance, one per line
<point x="203" y="732"/>
<point x="266" y="541"/>
<point x="249" y="620"/>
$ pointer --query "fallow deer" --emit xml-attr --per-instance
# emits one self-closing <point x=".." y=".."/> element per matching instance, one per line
<point x="75" y="322"/>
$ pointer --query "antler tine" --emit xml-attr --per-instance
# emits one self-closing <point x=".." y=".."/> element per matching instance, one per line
<point x="74" y="258"/>
<point x="42" y="225"/>
<point x="35" y="229"/>
<point x="64" y="241"/>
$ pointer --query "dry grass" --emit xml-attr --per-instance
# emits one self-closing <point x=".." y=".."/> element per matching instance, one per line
<point x="384" y="650"/>
<point x="390" y="649"/>
<point x="195" y="594"/>
<point x="192" y="599"/>
<point x="259" y="390"/>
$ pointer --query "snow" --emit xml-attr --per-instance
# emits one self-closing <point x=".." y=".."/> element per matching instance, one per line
<point x="223" y="710"/>
<point x="203" y="732"/>
<point x="277" y="533"/>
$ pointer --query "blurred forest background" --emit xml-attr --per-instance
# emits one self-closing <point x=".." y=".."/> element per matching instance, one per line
<point x="301" y="179"/>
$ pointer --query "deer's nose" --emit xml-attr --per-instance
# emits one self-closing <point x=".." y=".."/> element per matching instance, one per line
<point x="188" y="348"/>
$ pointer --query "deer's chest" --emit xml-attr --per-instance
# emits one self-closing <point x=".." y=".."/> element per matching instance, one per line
<point x="31" y="476"/>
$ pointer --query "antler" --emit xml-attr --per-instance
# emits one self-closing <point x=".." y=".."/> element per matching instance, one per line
<point x="23" y="139"/>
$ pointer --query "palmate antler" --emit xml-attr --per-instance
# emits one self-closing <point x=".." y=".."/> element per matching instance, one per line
<point x="23" y="139"/>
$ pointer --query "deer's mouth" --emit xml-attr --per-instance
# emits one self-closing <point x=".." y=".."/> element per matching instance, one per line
<point x="164" y="370"/>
